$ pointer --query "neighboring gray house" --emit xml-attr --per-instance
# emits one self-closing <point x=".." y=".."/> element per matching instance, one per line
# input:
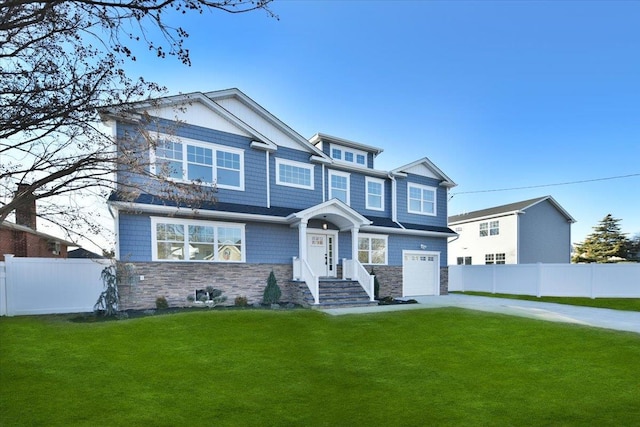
<point x="531" y="231"/>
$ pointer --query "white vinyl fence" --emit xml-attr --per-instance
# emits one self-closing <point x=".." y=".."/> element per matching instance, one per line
<point x="49" y="285"/>
<point x="562" y="280"/>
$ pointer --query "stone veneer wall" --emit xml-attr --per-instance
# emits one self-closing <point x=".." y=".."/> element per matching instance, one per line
<point x="175" y="281"/>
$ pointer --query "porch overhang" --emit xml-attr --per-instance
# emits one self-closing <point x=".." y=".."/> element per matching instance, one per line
<point x="333" y="211"/>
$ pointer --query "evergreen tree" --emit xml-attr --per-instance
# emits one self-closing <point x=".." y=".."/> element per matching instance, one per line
<point x="272" y="292"/>
<point x="606" y="244"/>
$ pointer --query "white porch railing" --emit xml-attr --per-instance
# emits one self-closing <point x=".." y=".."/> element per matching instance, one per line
<point x="352" y="269"/>
<point x="302" y="271"/>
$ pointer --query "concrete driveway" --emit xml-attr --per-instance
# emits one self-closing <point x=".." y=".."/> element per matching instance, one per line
<point x="596" y="317"/>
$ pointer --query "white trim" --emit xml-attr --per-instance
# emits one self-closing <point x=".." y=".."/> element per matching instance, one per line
<point x="185" y="163"/>
<point x="344" y="150"/>
<point x="300" y="165"/>
<point x="374" y="236"/>
<point x="187" y="222"/>
<point x="367" y="180"/>
<point x="343" y="175"/>
<point x="268" y="180"/>
<point x="334" y="235"/>
<point x="422" y="188"/>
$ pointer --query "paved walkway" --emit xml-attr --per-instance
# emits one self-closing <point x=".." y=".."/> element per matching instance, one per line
<point x="596" y="317"/>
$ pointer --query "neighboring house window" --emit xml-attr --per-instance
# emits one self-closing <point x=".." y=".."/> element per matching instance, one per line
<point x="488" y="259"/>
<point x="375" y="193"/>
<point x="193" y="161"/>
<point x="500" y="258"/>
<point x="361" y="159"/>
<point x="421" y="199"/>
<point x="484" y="229"/>
<point x="464" y="260"/>
<point x="372" y="249"/>
<point x="294" y="174"/>
<point x="182" y="240"/>
<point x="339" y="186"/>
<point x="494" y="228"/>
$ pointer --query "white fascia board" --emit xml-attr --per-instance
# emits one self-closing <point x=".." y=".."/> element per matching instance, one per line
<point x="201" y="213"/>
<point x="320" y="159"/>
<point x="344" y="142"/>
<point x="446" y="181"/>
<point x="406" y="231"/>
<point x="486" y="217"/>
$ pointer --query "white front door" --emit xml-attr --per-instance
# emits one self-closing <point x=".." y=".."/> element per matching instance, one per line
<point x="321" y="254"/>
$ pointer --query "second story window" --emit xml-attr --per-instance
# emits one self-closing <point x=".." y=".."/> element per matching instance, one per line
<point x="489" y="228"/>
<point x="421" y="199"/>
<point x="361" y="159"/>
<point x="336" y="153"/>
<point x="294" y="174"/>
<point x="205" y="163"/>
<point x="375" y="193"/>
<point x="339" y="186"/>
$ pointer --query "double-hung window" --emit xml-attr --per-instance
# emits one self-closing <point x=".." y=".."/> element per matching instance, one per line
<point x="421" y="199"/>
<point x="491" y="228"/>
<point x="339" y="186"/>
<point x="185" y="240"/>
<point x="294" y="174"/>
<point x="195" y="161"/>
<point x="372" y="249"/>
<point x="375" y="193"/>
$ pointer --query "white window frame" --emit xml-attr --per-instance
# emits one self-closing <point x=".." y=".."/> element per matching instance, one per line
<point x="422" y="188"/>
<point x="494" y="228"/>
<point x="343" y="154"/>
<point x="280" y="162"/>
<point x="185" y="164"/>
<point x="374" y="236"/>
<point x="186" y="223"/>
<point x="368" y="180"/>
<point x="344" y="175"/>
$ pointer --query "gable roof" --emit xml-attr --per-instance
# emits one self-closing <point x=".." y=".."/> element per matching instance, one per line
<point x="213" y="101"/>
<point x="508" y="209"/>
<point x="425" y="162"/>
<point x="344" y="142"/>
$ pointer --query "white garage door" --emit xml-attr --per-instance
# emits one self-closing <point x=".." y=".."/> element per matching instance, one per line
<point x="420" y="273"/>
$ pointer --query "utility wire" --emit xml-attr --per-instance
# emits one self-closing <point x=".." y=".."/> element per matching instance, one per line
<point x="544" y="185"/>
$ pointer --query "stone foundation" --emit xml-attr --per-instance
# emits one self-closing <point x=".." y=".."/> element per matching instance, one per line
<point x="176" y="281"/>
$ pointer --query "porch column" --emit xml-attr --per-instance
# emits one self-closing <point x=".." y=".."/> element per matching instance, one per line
<point x="302" y="239"/>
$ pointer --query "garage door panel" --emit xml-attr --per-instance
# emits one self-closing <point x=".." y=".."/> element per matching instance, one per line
<point x="420" y="273"/>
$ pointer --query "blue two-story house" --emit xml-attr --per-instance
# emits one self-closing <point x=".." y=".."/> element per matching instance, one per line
<point x="315" y="212"/>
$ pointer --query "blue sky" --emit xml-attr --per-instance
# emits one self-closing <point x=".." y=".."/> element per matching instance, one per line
<point x="497" y="94"/>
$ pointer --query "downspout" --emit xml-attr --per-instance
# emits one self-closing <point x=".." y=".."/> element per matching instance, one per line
<point x="394" y="204"/>
<point x="116" y="229"/>
<point x="268" y="181"/>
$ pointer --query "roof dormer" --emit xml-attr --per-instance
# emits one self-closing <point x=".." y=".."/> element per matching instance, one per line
<point x="344" y="151"/>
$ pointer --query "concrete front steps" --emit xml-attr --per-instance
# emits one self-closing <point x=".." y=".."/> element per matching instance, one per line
<point x="337" y="293"/>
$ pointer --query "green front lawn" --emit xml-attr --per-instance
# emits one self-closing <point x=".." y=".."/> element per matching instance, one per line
<point x="628" y="304"/>
<point x="300" y="367"/>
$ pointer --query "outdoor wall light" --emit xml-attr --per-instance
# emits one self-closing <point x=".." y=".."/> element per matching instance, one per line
<point x="324" y="226"/>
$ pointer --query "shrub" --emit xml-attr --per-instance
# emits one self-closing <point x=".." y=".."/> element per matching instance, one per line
<point x="161" y="303"/>
<point x="272" y="292"/>
<point x="107" y="303"/>
<point x="241" y="301"/>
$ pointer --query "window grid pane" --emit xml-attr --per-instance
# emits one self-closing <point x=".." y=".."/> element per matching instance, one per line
<point x="295" y="175"/>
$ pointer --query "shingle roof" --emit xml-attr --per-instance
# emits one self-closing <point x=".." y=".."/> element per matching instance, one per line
<point x="505" y="209"/>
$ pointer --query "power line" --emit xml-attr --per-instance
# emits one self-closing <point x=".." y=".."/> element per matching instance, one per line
<point x="545" y="185"/>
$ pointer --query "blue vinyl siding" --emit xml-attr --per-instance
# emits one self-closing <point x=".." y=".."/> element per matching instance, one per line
<point x="134" y="237"/>
<point x="439" y="220"/>
<point x="271" y="243"/>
